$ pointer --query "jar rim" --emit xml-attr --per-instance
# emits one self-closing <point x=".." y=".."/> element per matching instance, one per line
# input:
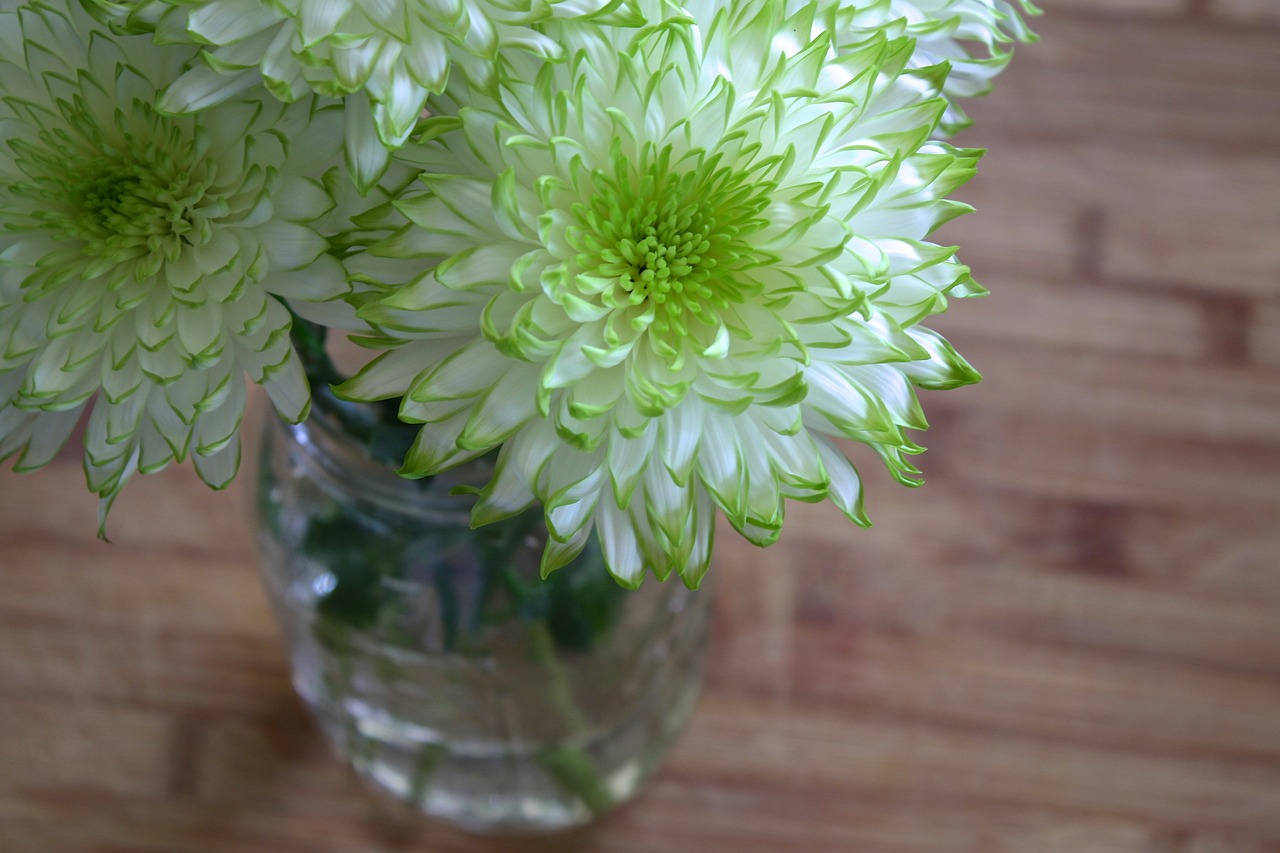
<point x="347" y="466"/>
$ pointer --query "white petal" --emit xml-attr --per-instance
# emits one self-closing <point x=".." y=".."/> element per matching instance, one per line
<point x="289" y="391"/>
<point x="618" y="541"/>
<point x="291" y="246"/>
<point x="219" y="469"/>
<point x="367" y="158"/>
<point x="202" y="87"/>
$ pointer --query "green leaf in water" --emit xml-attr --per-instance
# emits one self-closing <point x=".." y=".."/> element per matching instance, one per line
<point x="351" y="554"/>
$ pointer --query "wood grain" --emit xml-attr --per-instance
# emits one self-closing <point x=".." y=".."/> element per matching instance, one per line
<point x="1068" y="640"/>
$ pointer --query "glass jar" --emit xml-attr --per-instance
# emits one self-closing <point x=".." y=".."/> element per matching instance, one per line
<point x="438" y="662"/>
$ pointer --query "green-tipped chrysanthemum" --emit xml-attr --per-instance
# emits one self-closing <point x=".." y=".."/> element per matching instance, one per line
<point x="383" y="58"/>
<point x="973" y="36"/>
<point x="664" y="273"/>
<point x="143" y="259"/>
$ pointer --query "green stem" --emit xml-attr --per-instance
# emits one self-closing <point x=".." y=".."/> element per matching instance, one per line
<point x="544" y="652"/>
<point x="424" y="767"/>
<point x="568" y="765"/>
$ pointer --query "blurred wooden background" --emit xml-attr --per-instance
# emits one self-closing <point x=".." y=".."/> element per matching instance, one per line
<point x="1068" y="640"/>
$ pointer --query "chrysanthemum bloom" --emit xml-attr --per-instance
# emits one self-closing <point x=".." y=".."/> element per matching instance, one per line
<point x="383" y="58"/>
<point x="974" y="36"/>
<point x="663" y="273"/>
<point x="141" y="257"/>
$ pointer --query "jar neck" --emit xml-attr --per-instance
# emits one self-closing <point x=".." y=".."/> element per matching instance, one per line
<point x="336" y="458"/>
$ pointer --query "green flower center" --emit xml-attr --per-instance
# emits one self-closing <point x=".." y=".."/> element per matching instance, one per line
<point x="673" y="242"/>
<point x="142" y="202"/>
<point x="124" y="207"/>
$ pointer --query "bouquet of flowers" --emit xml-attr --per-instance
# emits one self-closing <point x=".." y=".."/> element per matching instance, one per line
<point x="649" y="261"/>
<point x="658" y="254"/>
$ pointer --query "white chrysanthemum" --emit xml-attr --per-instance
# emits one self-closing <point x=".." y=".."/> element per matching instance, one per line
<point x="973" y="36"/>
<point x="141" y="257"/>
<point x="383" y="58"/>
<point x="663" y="273"/>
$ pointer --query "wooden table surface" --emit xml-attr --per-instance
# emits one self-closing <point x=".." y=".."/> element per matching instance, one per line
<point x="1068" y="640"/>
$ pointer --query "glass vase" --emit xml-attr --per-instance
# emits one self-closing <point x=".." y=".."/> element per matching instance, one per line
<point x="437" y="661"/>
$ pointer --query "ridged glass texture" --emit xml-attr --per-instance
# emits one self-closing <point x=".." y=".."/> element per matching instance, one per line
<point x="440" y="665"/>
